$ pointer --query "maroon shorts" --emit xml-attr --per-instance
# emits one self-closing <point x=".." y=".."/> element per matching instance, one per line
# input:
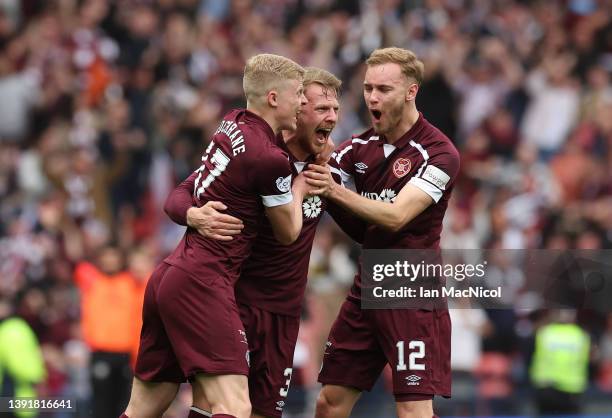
<point x="190" y="325"/>
<point x="272" y="338"/>
<point x="415" y="343"/>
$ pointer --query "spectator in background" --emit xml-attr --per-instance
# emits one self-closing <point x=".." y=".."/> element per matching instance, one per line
<point x="21" y="362"/>
<point x="553" y="109"/>
<point x="559" y="368"/>
<point x="605" y="376"/>
<point x="109" y="296"/>
<point x="141" y="264"/>
<point x="140" y="85"/>
<point x="470" y="324"/>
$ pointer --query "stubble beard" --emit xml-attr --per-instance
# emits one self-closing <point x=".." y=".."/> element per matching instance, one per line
<point x="394" y="118"/>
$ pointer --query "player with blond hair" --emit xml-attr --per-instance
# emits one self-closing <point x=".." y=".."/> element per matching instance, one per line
<point x="270" y="292"/>
<point x="191" y="324"/>
<point x="403" y="169"/>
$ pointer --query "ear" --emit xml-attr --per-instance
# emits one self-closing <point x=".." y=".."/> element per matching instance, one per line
<point x="272" y="98"/>
<point x="412" y="91"/>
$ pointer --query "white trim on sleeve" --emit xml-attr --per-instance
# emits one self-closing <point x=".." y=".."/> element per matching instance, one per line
<point x="341" y="153"/>
<point x="427" y="187"/>
<point x="346" y="177"/>
<point x="270" y="201"/>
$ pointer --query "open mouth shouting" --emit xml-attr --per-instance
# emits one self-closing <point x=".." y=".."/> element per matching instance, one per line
<point x="322" y="134"/>
<point x="376" y="115"/>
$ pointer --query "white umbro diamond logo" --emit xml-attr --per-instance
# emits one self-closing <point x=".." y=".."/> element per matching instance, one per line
<point x="360" y="167"/>
<point x="280" y="405"/>
<point x="413" y="380"/>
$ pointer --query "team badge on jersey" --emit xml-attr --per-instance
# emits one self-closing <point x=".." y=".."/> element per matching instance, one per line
<point x="401" y="167"/>
<point x="312" y="207"/>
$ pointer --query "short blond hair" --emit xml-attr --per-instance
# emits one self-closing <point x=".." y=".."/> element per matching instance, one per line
<point x="330" y="82"/>
<point x="264" y="72"/>
<point x="411" y="66"/>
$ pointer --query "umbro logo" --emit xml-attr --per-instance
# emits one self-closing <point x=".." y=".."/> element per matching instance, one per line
<point x="280" y="405"/>
<point x="360" y="167"/>
<point x="413" y="380"/>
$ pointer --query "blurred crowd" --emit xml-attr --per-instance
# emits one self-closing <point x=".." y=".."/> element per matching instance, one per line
<point x="107" y="104"/>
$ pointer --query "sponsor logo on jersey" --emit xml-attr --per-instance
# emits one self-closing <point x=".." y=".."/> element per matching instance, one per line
<point x="401" y="167"/>
<point x="280" y="405"/>
<point x="283" y="183"/>
<point x="413" y="380"/>
<point x="312" y="207"/>
<point x="387" y="195"/>
<point x="360" y="167"/>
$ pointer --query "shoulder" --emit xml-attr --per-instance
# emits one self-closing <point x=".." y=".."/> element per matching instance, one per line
<point x="354" y="143"/>
<point x="368" y="137"/>
<point x="14" y="327"/>
<point x="270" y="158"/>
<point x="435" y="142"/>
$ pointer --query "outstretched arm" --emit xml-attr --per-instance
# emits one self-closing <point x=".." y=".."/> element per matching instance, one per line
<point x="409" y="203"/>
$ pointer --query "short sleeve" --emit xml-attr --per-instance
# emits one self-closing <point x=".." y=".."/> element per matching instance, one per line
<point x="341" y="161"/>
<point x="273" y="179"/>
<point x="437" y="174"/>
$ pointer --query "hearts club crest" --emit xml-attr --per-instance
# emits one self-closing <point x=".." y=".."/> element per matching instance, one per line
<point x="401" y="167"/>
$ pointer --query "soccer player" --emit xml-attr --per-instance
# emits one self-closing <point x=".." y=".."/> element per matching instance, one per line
<point x="191" y="325"/>
<point x="272" y="283"/>
<point x="403" y="169"/>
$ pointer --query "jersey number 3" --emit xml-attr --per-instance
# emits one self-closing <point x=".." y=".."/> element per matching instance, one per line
<point x="417" y="354"/>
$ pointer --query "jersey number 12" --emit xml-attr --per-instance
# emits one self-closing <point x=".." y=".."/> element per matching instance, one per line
<point x="419" y="353"/>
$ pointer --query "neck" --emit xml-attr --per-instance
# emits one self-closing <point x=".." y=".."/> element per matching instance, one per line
<point x="409" y="118"/>
<point x="265" y="115"/>
<point x="294" y="146"/>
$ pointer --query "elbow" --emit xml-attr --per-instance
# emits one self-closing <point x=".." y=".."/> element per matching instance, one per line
<point x="396" y="223"/>
<point x="169" y="205"/>
<point x="171" y="213"/>
<point x="168" y="209"/>
<point x="285" y="239"/>
<point x="288" y="237"/>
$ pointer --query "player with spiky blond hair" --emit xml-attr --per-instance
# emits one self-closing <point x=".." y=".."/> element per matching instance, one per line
<point x="191" y="324"/>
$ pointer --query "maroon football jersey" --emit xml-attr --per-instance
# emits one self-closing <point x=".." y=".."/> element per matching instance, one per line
<point x="274" y="277"/>
<point x="243" y="168"/>
<point x="423" y="157"/>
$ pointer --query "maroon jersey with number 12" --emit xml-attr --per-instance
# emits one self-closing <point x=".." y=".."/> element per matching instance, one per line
<point x="415" y="343"/>
<point x="423" y="157"/>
